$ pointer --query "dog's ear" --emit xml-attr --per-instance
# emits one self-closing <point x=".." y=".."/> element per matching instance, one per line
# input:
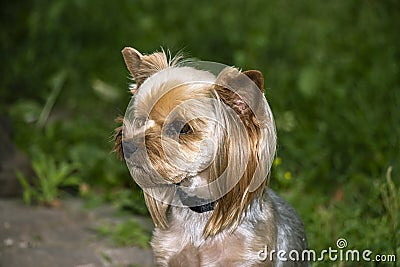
<point x="257" y="77"/>
<point x="243" y="92"/>
<point x="143" y="66"/>
<point x="249" y="143"/>
<point x="118" y="140"/>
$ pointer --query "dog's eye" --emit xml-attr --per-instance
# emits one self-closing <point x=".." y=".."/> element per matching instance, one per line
<point x="179" y="127"/>
<point x="186" y="129"/>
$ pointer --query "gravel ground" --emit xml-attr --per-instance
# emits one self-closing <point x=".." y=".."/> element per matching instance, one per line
<point x="63" y="236"/>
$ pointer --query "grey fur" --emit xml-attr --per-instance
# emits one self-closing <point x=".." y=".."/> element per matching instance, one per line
<point x="290" y="229"/>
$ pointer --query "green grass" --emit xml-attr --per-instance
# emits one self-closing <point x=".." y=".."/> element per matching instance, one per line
<point x="128" y="233"/>
<point x="332" y="79"/>
<point x="50" y="177"/>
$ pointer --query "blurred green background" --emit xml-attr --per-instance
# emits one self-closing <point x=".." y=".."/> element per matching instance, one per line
<point x="332" y="79"/>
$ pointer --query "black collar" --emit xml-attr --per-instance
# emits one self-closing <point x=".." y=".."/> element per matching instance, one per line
<point x="203" y="208"/>
<point x="195" y="203"/>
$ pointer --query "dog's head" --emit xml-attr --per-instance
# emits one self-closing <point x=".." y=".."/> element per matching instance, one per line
<point x="194" y="138"/>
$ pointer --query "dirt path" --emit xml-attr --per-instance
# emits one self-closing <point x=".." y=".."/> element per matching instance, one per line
<point x="58" y="237"/>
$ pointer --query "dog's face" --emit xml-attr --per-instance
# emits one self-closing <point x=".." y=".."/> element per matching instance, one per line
<point x="168" y="137"/>
<point x="211" y="136"/>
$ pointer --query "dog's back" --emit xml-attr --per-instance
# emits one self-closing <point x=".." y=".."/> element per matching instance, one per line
<point x="291" y="237"/>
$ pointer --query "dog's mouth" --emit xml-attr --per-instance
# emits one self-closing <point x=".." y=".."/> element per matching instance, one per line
<point x="189" y="197"/>
<point x="146" y="175"/>
<point x="193" y="192"/>
<point x="195" y="203"/>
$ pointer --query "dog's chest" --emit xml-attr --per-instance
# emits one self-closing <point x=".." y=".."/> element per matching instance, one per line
<point x="184" y="247"/>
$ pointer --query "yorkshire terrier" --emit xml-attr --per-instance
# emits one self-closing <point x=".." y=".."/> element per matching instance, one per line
<point x="199" y="138"/>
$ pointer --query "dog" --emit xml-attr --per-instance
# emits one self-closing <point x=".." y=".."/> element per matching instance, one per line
<point x="199" y="139"/>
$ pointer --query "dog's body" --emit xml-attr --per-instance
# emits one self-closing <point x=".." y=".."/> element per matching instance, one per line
<point x="276" y="227"/>
<point x="201" y="147"/>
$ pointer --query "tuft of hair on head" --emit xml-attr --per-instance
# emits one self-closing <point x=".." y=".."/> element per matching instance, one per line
<point x="142" y="67"/>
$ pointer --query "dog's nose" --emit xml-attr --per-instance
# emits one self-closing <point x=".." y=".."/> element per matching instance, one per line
<point x="128" y="148"/>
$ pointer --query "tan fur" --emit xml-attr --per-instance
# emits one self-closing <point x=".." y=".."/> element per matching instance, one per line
<point x="239" y="225"/>
<point x="230" y="207"/>
<point x="143" y="66"/>
<point x="118" y="139"/>
<point x="238" y="248"/>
